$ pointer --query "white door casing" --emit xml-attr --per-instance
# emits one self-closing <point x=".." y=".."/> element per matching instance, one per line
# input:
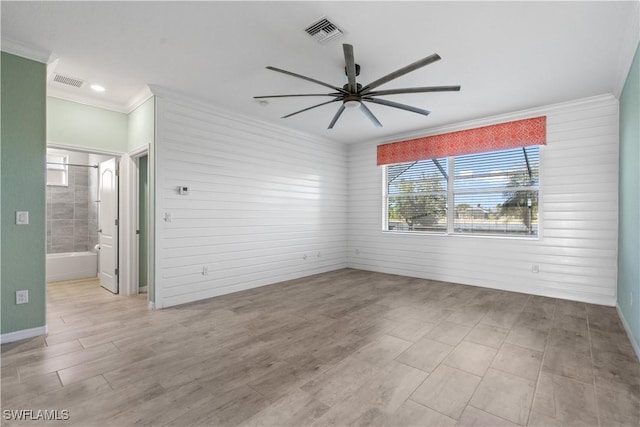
<point x="107" y="225"/>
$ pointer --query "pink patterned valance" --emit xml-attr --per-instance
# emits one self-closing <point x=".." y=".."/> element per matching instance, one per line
<point x="519" y="133"/>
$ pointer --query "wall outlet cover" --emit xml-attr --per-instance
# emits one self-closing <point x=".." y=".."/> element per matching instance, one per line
<point x="22" y="297"/>
<point x="22" y="217"/>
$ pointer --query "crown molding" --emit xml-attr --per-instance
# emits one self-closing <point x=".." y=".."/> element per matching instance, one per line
<point x="138" y="99"/>
<point x="69" y="95"/>
<point x="491" y="120"/>
<point x="29" y="52"/>
<point x="60" y="93"/>
<point x="244" y="120"/>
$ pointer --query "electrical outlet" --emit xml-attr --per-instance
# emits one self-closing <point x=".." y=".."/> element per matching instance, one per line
<point x="22" y="297"/>
<point x="535" y="268"/>
<point x="167" y="217"/>
<point x="304" y="257"/>
<point x="205" y="271"/>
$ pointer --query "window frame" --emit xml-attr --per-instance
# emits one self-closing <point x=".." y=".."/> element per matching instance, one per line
<point x="63" y="168"/>
<point x="450" y="206"/>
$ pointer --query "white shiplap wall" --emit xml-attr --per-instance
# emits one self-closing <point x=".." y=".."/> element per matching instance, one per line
<point x="266" y="204"/>
<point x="577" y="253"/>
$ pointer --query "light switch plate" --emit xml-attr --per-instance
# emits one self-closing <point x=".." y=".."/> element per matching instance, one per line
<point x="22" y="217"/>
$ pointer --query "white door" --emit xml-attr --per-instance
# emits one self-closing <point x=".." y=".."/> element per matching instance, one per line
<point x="108" y="225"/>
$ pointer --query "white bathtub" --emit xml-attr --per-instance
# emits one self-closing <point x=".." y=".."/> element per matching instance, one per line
<point x="71" y="266"/>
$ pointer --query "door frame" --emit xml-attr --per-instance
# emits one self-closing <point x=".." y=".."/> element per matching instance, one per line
<point x="127" y="213"/>
<point x="133" y="215"/>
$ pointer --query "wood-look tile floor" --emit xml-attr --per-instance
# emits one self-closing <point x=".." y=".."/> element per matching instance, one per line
<point x="347" y="347"/>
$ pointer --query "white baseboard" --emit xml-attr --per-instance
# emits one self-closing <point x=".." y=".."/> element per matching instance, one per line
<point x="152" y="305"/>
<point x="634" y="344"/>
<point x="143" y="289"/>
<point x="23" y="334"/>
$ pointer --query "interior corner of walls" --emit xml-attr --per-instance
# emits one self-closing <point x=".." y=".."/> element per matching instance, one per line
<point x="139" y="99"/>
<point x="634" y="341"/>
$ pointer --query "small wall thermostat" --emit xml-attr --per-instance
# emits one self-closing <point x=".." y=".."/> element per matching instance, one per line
<point x="184" y="190"/>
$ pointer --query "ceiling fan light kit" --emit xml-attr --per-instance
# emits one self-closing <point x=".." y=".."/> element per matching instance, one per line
<point x="354" y="95"/>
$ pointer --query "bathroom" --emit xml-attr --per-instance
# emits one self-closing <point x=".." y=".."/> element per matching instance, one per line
<point x="72" y="194"/>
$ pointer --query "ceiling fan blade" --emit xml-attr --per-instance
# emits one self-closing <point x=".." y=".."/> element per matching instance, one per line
<point x="302" y="94"/>
<point x="309" y="79"/>
<point x="401" y="72"/>
<point x="336" y="117"/>
<point x="397" y="105"/>
<point x="369" y="114"/>
<point x="415" y="90"/>
<point x="309" y="108"/>
<point x="350" y="64"/>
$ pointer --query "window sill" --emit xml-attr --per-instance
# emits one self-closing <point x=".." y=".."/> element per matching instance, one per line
<point x="462" y="235"/>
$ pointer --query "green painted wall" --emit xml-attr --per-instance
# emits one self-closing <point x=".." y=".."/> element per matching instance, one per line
<point x="141" y="125"/>
<point x="71" y="123"/>
<point x="23" y="135"/>
<point x="143" y="200"/>
<point x="629" y="220"/>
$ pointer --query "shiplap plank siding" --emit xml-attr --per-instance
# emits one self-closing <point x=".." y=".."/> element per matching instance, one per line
<point x="577" y="249"/>
<point x="260" y="199"/>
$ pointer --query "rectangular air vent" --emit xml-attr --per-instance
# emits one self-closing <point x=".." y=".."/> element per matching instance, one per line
<point x="66" y="80"/>
<point x="323" y="30"/>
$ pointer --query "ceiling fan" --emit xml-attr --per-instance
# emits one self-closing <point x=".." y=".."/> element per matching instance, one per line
<point x="354" y="95"/>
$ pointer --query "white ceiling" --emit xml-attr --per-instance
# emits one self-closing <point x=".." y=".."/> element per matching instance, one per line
<point x="507" y="56"/>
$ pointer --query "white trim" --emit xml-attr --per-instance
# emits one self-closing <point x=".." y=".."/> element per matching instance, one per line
<point x="83" y="149"/>
<point x="491" y="120"/>
<point x="63" y="93"/>
<point x="143" y="289"/>
<point x="138" y="99"/>
<point x="127" y="226"/>
<point x="151" y="305"/>
<point x="23" y="334"/>
<point x="80" y="98"/>
<point x="247" y="122"/>
<point x="634" y="344"/>
<point x="29" y="52"/>
<point x="51" y="68"/>
<point x="627" y="50"/>
<point x="138" y="152"/>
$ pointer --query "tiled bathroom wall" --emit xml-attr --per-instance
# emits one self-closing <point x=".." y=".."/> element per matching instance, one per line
<point x="68" y="228"/>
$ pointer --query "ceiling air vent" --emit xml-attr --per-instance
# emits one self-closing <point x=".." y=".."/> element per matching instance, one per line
<point x="323" y="30"/>
<point x="66" y="80"/>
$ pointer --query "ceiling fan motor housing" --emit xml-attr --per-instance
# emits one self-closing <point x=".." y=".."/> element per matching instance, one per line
<point x="358" y="87"/>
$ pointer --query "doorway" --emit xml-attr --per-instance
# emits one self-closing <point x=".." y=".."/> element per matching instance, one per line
<point x="142" y="230"/>
<point x="77" y="209"/>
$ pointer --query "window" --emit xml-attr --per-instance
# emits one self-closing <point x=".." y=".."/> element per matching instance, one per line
<point x="417" y="196"/>
<point x="57" y="169"/>
<point x="493" y="193"/>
